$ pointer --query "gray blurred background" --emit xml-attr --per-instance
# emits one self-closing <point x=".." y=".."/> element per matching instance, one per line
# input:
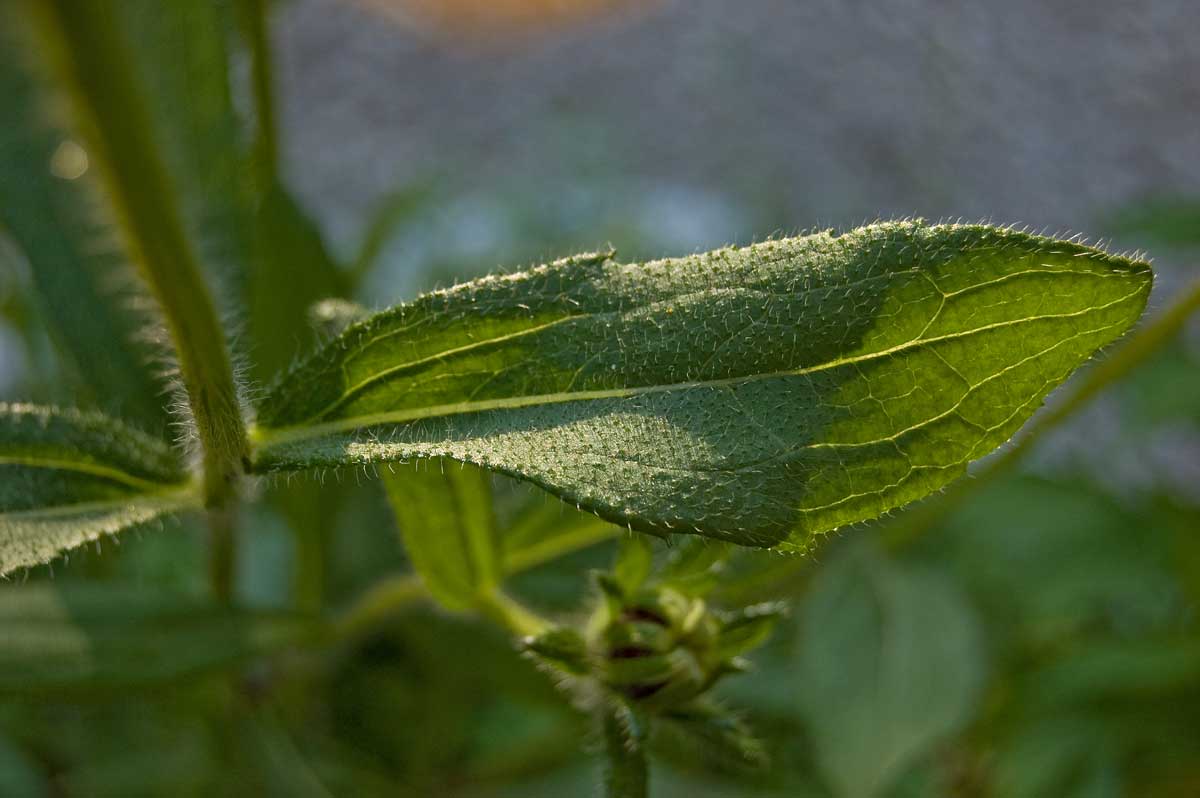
<point x="700" y="122"/>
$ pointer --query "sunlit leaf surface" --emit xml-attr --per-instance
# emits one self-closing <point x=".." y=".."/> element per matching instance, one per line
<point x="67" y="478"/>
<point x="449" y="531"/>
<point x="760" y="395"/>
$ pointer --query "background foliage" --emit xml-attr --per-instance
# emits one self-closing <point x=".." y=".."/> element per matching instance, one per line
<point x="1039" y="639"/>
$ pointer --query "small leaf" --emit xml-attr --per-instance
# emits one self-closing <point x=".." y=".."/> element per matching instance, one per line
<point x="760" y="395"/>
<point x="68" y="477"/>
<point x="634" y="560"/>
<point x="92" y="635"/>
<point x="889" y="665"/>
<point x="548" y="529"/>
<point x="695" y="566"/>
<point x="716" y="735"/>
<point x="562" y="647"/>
<point x="446" y="520"/>
<point x="748" y="628"/>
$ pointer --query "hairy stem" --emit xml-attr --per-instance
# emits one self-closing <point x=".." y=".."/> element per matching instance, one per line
<point x="118" y="129"/>
<point x="391" y="595"/>
<point x="626" y="773"/>
<point x="94" y="62"/>
<point x="221" y="522"/>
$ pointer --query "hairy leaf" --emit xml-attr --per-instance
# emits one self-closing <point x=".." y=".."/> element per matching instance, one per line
<point x="449" y="531"/>
<point x="759" y="395"/>
<point x="96" y="635"/>
<point x="80" y="278"/>
<point x="68" y="477"/>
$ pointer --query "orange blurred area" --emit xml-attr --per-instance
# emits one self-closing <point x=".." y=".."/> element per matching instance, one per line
<point x="496" y="20"/>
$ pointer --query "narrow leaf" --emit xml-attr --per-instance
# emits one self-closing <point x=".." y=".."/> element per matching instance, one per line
<point x="92" y="636"/>
<point x="759" y="395"/>
<point x="68" y="477"/>
<point x="445" y="517"/>
<point x="80" y="278"/>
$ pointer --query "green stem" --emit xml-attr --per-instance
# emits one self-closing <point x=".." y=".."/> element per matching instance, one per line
<point x="387" y="597"/>
<point x="266" y="142"/>
<point x="82" y="37"/>
<point x="381" y="601"/>
<point x="1135" y="350"/>
<point x="626" y="774"/>
<point x="119" y="132"/>
<point x="511" y="614"/>
<point x="221" y="523"/>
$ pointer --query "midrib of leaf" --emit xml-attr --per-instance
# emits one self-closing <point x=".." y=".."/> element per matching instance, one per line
<point x="91" y="469"/>
<point x="160" y="497"/>
<point x="94" y="65"/>
<point x="266" y="437"/>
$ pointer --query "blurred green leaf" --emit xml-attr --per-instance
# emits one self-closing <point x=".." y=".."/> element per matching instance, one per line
<point x="1063" y="757"/>
<point x="889" y="665"/>
<point x="634" y="560"/>
<point x="1048" y="559"/>
<point x="180" y="51"/>
<point x="292" y="271"/>
<point x="1170" y="221"/>
<point x="70" y="477"/>
<point x="449" y="530"/>
<point x="1106" y="670"/>
<point x="548" y="528"/>
<point x="715" y="736"/>
<point x="760" y="395"/>
<point x="81" y="280"/>
<point x="91" y="636"/>
<point x="19" y="776"/>
<point x="392" y="214"/>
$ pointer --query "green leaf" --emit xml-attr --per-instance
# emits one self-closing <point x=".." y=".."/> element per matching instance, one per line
<point x="181" y="55"/>
<point x="83" y="41"/>
<point x="625" y="775"/>
<point x="446" y="520"/>
<point x="549" y="529"/>
<point x="94" y="635"/>
<point x="80" y="280"/>
<point x="760" y="395"/>
<point x="292" y="272"/>
<point x="562" y="647"/>
<point x="67" y="478"/>
<point x="889" y="665"/>
<point x="634" y="561"/>
<point x="716" y="736"/>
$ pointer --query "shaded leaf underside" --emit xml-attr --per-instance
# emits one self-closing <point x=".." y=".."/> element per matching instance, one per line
<point x="760" y="395"/>
<point x="69" y="477"/>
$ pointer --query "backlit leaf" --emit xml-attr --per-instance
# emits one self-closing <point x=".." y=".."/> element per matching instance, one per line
<point x="760" y="395"/>
<point x="446" y="520"/>
<point x="68" y="477"/>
